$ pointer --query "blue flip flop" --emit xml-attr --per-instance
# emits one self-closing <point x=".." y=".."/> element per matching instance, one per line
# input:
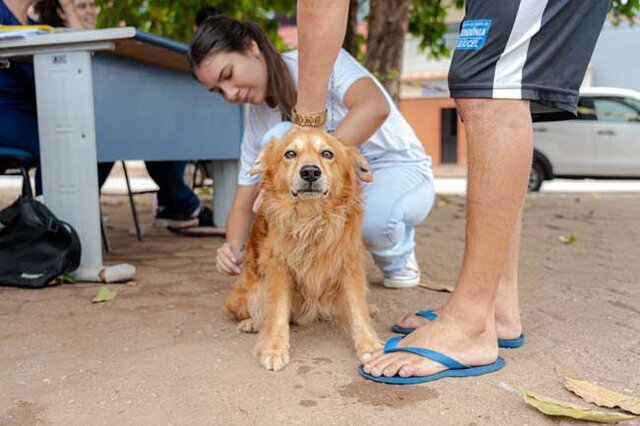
<point x="454" y="368"/>
<point x="431" y="315"/>
<point x="425" y="313"/>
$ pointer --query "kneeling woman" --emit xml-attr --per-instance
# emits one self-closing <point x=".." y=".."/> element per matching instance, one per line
<point x="238" y="61"/>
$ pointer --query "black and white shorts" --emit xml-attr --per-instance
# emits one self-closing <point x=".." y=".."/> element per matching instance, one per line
<point x="527" y="49"/>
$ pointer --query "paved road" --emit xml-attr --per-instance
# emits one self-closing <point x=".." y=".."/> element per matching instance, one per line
<point x="458" y="185"/>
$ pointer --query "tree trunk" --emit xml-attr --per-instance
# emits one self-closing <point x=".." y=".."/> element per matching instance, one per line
<point x="388" y="20"/>
<point x="351" y="37"/>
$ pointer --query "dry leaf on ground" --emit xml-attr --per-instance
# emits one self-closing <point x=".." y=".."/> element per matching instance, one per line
<point x="432" y="285"/>
<point x="571" y="239"/>
<point x="602" y="397"/>
<point x="104" y="295"/>
<point x="555" y="407"/>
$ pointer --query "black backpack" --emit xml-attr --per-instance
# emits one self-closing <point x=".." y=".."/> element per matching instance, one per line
<point x="35" y="247"/>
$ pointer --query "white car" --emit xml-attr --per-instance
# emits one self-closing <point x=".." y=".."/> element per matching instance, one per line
<point x="602" y="142"/>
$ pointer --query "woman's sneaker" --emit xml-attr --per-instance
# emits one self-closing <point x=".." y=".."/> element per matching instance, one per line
<point x="407" y="277"/>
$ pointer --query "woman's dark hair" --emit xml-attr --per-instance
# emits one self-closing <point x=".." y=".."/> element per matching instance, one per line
<point x="47" y="11"/>
<point x="222" y="34"/>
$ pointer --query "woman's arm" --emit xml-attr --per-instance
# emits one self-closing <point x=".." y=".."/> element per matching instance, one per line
<point x="240" y="215"/>
<point x="368" y="109"/>
<point x="228" y="256"/>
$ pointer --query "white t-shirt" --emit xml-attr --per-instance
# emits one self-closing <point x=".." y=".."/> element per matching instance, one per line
<point x="394" y="141"/>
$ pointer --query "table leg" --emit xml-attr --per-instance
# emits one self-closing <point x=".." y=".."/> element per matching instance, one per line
<point x="66" y="126"/>
<point x="225" y="180"/>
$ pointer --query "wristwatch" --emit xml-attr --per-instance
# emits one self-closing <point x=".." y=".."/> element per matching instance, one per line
<point x="313" y="119"/>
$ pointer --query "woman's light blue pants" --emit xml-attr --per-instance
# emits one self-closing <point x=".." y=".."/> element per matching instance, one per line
<point x="399" y="198"/>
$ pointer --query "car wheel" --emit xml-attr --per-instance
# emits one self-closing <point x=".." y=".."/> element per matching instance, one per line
<point x="536" y="177"/>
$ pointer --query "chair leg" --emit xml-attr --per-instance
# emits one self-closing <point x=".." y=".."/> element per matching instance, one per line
<point x="103" y="233"/>
<point x="132" y="202"/>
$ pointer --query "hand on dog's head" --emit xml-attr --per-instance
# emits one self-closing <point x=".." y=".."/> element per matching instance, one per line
<point x="311" y="166"/>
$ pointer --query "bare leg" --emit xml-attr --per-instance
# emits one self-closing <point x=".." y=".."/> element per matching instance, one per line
<point x="508" y="323"/>
<point x="500" y="141"/>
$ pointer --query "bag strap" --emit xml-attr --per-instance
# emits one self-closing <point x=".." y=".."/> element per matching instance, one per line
<point x="75" y="249"/>
<point x="26" y="187"/>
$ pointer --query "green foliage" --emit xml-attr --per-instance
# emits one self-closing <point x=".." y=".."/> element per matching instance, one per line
<point x="174" y="19"/>
<point x="427" y="22"/>
<point x="625" y="10"/>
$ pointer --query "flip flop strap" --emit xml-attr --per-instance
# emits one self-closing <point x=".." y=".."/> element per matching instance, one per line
<point x="428" y="314"/>
<point x="392" y="346"/>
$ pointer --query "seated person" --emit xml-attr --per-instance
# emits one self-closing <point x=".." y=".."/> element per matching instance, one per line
<point x="178" y="206"/>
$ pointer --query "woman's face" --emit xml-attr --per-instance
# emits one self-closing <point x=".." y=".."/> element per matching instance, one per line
<point x="87" y="12"/>
<point x="238" y="77"/>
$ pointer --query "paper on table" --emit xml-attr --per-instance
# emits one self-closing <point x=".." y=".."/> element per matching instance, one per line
<point x="20" y="31"/>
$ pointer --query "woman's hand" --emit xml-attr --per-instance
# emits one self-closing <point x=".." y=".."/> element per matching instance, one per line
<point x="227" y="262"/>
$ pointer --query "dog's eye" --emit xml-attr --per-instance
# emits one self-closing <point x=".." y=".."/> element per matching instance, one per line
<point x="327" y="154"/>
<point x="290" y="154"/>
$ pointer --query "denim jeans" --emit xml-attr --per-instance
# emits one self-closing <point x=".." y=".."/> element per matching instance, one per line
<point x="19" y="129"/>
<point x="173" y="194"/>
<point x="400" y="196"/>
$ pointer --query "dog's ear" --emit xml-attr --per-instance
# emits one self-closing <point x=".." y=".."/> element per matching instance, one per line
<point x="362" y="167"/>
<point x="259" y="165"/>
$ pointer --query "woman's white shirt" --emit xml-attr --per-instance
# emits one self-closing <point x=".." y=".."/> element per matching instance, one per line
<point x="395" y="141"/>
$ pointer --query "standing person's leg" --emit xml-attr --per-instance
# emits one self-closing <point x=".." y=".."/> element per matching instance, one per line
<point x="400" y="197"/>
<point x="508" y="321"/>
<point x="508" y="52"/>
<point x="497" y="177"/>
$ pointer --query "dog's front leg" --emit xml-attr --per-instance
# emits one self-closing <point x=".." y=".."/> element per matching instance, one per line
<point x="273" y="341"/>
<point x="354" y="287"/>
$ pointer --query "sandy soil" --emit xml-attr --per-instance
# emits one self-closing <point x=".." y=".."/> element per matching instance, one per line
<point x="163" y="353"/>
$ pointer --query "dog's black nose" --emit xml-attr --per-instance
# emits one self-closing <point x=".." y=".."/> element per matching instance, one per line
<point x="310" y="173"/>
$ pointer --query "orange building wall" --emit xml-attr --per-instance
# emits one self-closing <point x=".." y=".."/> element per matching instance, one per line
<point x="423" y="114"/>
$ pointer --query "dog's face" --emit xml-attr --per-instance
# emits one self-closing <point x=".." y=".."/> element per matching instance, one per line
<point x="310" y="165"/>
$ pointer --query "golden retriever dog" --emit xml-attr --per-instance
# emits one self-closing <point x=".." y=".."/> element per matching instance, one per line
<point x="304" y="256"/>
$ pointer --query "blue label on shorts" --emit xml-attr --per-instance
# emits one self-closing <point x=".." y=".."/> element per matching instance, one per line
<point x="473" y="34"/>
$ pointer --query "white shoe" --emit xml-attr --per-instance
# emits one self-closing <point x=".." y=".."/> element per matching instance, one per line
<point x="407" y="277"/>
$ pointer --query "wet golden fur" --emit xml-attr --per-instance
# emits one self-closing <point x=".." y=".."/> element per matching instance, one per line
<point x="304" y="256"/>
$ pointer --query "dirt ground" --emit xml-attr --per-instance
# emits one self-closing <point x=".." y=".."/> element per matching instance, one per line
<point x="163" y="353"/>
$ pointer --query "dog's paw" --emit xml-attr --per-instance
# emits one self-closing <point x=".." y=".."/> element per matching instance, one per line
<point x="247" y="326"/>
<point x="274" y="360"/>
